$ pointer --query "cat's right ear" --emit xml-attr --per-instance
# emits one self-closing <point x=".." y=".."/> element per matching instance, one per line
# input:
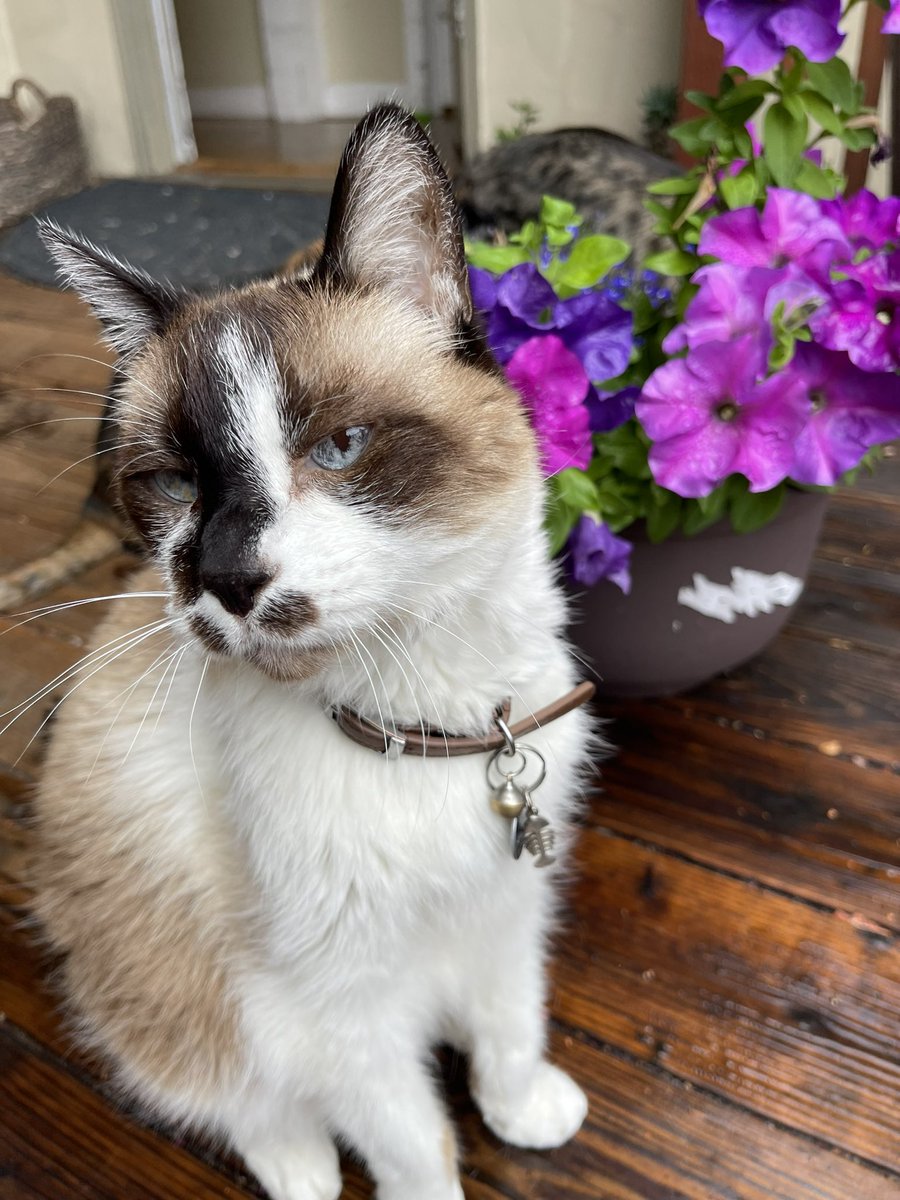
<point x="130" y="305"/>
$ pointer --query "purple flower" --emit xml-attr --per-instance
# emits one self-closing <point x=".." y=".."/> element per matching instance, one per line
<point x="892" y="20"/>
<point x="711" y="415"/>
<point x="596" y="553"/>
<point x="791" y="228"/>
<point x="737" y="300"/>
<point x="757" y="33"/>
<point x="609" y="410"/>
<point x="848" y="411"/>
<point x="864" y="317"/>
<point x="521" y="303"/>
<point x="865" y="221"/>
<point x="552" y="384"/>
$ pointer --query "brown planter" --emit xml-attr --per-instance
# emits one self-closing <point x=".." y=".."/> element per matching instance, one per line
<point x="698" y="605"/>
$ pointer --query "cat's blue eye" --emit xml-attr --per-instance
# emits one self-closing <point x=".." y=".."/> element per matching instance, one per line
<point x="341" y="449"/>
<point x="178" y="486"/>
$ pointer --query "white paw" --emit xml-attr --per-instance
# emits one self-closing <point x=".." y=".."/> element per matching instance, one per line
<point x="307" y="1172"/>
<point x="443" y="1191"/>
<point x="551" y="1111"/>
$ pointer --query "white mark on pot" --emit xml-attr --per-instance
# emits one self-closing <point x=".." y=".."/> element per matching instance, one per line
<point x="676" y="627"/>
<point x="749" y="594"/>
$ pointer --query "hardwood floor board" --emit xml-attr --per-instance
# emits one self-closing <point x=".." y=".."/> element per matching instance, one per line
<point x="803" y="691"/>
<point x="783" y="1009"/>
<point x="822" y="828"/>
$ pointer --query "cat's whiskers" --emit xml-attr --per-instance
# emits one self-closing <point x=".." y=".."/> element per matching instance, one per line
<point x="79" y="461"/>
<point x="359" y="646"/>
<point x="405" y="652"/>
<point x="191" y="731"/>
<point x="167" y="663"/>
<point x="34" y="614"/>
<point x="127" y="692"/>
<point x="117" y="654"/>
<point x="64" y="676"/>
<point x="113" y="368"/>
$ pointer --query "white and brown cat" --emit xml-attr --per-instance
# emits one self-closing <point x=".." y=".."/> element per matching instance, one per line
<point x="267" y="927"/>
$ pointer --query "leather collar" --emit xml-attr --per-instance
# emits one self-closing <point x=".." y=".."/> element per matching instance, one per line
<point x="410" y="739"/>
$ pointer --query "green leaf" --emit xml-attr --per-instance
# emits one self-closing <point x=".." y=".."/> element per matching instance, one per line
<point x="664" y="515"/>
<point x="736" y="116"/>
<point x="558" y="212"/>
<point x="821" y="111"/>
<point x="858" y="139"/>
<point x="784" y="142"/>
<point x="678" y="185"/>
<point x="741" y="92"/>
<point x="591" y="259"/>
<point x="672" y="262"/>
<point x="495" y="258"/>
<point x="701" y="99"/>
<point x="751" y="510"/>
<point x="739" y="191"/>
<point x="823" y="183"/>
<point x="576" y="490"/>
<point x="835" y="82"/>
<point x="697" y="136"/>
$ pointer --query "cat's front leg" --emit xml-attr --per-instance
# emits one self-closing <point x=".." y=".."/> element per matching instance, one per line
<point x="523" y="1098"/>
<point x="388" y="1110"/>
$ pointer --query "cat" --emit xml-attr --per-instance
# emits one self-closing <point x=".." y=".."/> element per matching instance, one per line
<point x="605" y="176"/>
<point x="265" y="926"/>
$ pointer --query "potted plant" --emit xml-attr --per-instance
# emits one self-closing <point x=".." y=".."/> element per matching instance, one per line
<point x="693" y="412"/>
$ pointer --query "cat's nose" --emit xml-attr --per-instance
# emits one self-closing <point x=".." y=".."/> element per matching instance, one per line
<point x="237" y="590"/>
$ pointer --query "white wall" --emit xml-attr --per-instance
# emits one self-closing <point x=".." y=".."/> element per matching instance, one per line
<point x="71" y="48"/>
<point x="581" y="62"/>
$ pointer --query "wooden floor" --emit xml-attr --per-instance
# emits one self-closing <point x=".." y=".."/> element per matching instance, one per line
<point x="727" y="985"/>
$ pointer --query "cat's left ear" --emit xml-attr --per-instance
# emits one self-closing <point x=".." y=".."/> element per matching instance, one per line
<point x="394" y="222"/>
<point x="131" y="306"/>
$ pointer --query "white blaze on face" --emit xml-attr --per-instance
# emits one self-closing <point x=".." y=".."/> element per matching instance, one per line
<point x="253" y="392"/>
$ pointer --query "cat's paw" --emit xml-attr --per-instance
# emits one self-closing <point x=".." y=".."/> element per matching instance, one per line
<point x="307" y="1172"/>
<point x="444" y="1191"/>
<point x="551" y="1111"/>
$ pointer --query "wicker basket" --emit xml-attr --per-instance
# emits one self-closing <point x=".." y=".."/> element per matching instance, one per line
<point x="41" y="151"/>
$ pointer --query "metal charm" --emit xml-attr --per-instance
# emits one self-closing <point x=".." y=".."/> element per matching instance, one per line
<point x="539" y="839"/>
<point x="528" y="830"/>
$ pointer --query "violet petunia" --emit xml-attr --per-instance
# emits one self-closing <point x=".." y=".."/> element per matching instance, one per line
<point x="552" y="383"/>
<point x="864" y="316"/>
<point x="847" y="412"/>
<point x="791" y="228"/>
<point x="757" y="33"/>
<point x="892" y="19"/>
<point x="712" y="414"/>
<point x="596" y="553"/>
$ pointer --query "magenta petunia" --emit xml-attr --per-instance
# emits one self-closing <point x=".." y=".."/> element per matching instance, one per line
<point x="867" y="222"/>
<point x="757" y="33"/>
<point x="847" y="412"/>
<point x="791" y="228"/>
<point x="737" y="300"/>
<point x="552" y="383"/>
<point x="595" y="553"/>
<point x="712" y="414"/>
<point x="864" y="316"/>
<point x="892" y="19"/>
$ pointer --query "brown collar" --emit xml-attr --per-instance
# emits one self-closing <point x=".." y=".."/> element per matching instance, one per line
<point x="411" y="740"/>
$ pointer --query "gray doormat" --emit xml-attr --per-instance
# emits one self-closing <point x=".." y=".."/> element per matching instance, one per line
<point x="198" y="237"/>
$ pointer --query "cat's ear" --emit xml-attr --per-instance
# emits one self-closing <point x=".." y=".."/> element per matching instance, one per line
<point x="129" y="304"/>
<point x="394" y="222"/>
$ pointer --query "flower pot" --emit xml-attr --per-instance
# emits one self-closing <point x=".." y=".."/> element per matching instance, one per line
<point x="698" y="605"/>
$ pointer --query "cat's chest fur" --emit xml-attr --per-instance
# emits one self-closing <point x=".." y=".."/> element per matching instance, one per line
<point x="342" y="844"/>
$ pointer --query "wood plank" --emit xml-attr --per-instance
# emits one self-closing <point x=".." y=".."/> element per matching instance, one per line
<point x="61" y="1141"/>
<point x="821" y="828"/>
<point x="806" y="692"/>
<point x="648" y="1137"/>
<point x="789" y="1011"/>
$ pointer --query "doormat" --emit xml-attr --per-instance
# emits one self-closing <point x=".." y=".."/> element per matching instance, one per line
<point x="193" y="236"/>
